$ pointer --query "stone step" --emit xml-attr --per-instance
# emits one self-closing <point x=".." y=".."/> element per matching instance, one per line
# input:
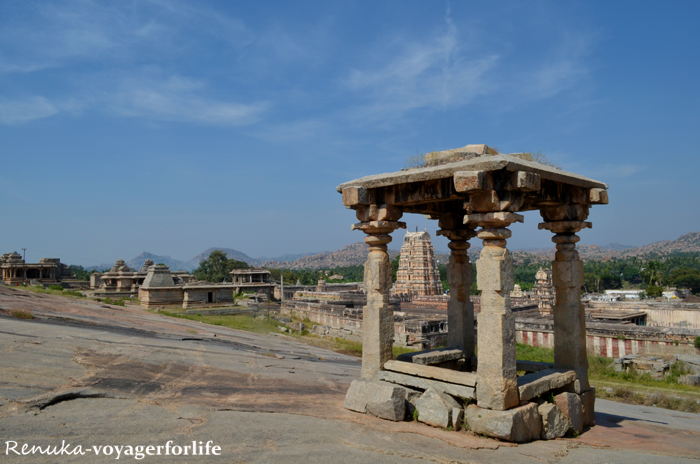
<point x="533" y="385"/>
<point x="458" y="391"/>
<point x="432" y="372"/>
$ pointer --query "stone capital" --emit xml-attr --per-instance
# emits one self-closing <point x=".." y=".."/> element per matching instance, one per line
<point x="563" y="227"/>
<point x="499" y="219"/>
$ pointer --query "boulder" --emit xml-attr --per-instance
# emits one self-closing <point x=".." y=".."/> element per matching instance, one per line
<point x="520" y="425"/>
<point x="379" y="399"/>
<point x="554" y="424"/>
<point x="435" y="408"/>
<point x="570" y="405"/>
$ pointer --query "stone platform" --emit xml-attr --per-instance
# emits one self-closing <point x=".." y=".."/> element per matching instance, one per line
<point x="142" y="379"/>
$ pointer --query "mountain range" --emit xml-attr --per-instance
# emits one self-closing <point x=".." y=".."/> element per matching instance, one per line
<point x="356" y="253"/>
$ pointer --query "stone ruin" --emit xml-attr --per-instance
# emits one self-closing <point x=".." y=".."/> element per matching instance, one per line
<point x="474" y="191"/>
<point x="418" y="272"/>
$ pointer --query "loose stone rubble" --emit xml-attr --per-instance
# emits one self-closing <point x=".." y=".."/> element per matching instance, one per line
<point x="474" y="191"/>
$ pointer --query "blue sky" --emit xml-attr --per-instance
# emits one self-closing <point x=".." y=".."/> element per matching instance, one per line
<point x="174" y="126"/>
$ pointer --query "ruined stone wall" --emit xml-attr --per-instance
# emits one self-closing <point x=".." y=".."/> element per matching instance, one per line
<point x="613" y="340"/>
<point x="659" y="314"/>
<point x="161" y="296"/>
<point x="199" y="297"/>
<point x="418" y="273"/>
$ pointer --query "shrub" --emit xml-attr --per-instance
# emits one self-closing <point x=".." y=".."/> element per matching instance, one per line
<point x="22" y="314"/>
<point x="110" y="301"/>
<point x="56" y="287"/>
<point x="697" y="342"/>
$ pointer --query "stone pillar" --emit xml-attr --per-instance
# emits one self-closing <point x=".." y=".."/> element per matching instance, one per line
<point x="377" y="316"/>
<point x="497" y="387"/>
<point x="569" y="315"/>
<point x="460" y="309"/>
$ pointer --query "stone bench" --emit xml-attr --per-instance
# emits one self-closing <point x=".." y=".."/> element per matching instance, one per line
<point x="533" y="385"/>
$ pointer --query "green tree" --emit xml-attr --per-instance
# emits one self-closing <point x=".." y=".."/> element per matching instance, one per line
<point x="395" y="267"/>
<point x="217" y="267"/>
<point x="686" y="278"/>
<point x="79" y="272"/>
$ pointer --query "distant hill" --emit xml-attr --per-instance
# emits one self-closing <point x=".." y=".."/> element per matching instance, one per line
<point x="230" y="252"/>
<point x="356" y="254"/>
<point x="350" y="255"/>
<point x="173" y="264"/>
<point x="688" y="243"/>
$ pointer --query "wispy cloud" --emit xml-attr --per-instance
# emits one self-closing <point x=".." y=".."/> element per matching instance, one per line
<point x="21" y="111"/>
<point x="434" y="73"/>
<point x="179" y="99"/>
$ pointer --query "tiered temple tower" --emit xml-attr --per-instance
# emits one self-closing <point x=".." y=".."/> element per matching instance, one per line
<point x="543" y="291"/>
<point x="418" y="273"/>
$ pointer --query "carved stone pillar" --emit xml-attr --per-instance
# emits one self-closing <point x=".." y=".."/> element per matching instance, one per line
<point x="377" y="316"/>
<point x="497" y="387"/>
<point x="569" y="315"/>
<point x="460" y="309"/>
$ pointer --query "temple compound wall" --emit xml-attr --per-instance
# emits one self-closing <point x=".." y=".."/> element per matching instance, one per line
<point x="474" y="191"/>
<point x="612" y="340"/>
<point x="47" y="270"/>
<point x="418" y="272"/>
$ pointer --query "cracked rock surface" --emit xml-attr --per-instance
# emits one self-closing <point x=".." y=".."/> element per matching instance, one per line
<point x="91" y="374"/>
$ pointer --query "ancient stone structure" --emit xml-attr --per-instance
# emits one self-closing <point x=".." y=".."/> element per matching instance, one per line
<point x="161" y="289"/>
<point x="418" y="273"/>
<point x="253" y="280"/>
<point x="474" y="191"/>
<point x="543" y="291"/>
<point x="47" y="270"/>
<point x="122" y="281"/>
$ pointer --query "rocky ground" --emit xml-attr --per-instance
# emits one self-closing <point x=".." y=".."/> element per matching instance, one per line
<point x="94" y="374"/>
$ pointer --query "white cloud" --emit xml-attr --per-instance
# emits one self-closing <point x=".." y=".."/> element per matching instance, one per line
<point x="423" y="74"/>
<point x="21" y="111"/>
<point x="177" y="99"/>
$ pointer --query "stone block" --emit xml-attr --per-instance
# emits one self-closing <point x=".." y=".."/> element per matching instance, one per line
<point x="439" y="356"/>
<point x="554" y="424"/>
<point x="435" y="408"/>
<point x="469" y="181"/>
<point x="497" y="386"/>
<point x="520" y="425"/>
<point x="458" y="391"/>
<point x="532" y="385"/>
<point x="570" y="405"/>
<point x="588" y="406"/>
<point x="690" y="379"/>
<point x="527" y="181"/>
<point x="355" y="196"/>
<point x="377" y="398"/>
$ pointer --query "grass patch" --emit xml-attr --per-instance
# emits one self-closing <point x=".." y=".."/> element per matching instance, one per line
<point x="238" y="321"/>
<point x="52" y="291"/>
<point x="22" y="314"/>
<point x="533" y="353"/>
<point x="112" y="301"/>
<point x="398" y="350"/>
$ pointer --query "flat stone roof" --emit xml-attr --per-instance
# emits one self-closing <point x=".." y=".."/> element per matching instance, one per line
<point x="480" y="163"/>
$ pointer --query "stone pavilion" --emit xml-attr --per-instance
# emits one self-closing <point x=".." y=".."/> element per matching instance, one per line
<point x="476" y="192"/>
